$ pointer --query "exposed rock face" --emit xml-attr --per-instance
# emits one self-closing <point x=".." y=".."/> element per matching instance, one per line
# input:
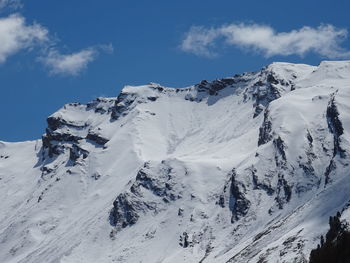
<point x="155" y="179"/>
<point x="284" y="192"/>
<point x="64" y="134"/>
<point x="214" y="87"/>
<point x="335" y="126"/>
<point x="268" y="88"/>
<point x="126" y="209"/>
<point x="101" y="105"/>
<point x="265" y="129"/>
<point x="54" y="137"/>
<point x="96" y="138"/>
<point x="239" y="204"/>
<point x="128" y="99"/>
<point x="122" y="105"/>
<point x="75" y="152"/>
<point x="280" y="156"/>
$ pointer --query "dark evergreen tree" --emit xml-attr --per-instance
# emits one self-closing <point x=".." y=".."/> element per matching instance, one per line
<point x="336" y="247"/>
<point x="322" y="241"/>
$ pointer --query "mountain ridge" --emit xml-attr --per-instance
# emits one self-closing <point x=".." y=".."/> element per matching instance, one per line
<point x="241" y="169"/>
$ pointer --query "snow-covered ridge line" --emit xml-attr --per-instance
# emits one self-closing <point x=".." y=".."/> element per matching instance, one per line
<point x="203" y="89"/>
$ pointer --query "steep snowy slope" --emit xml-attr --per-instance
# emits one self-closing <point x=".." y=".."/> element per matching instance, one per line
<point x="241" y="169"/>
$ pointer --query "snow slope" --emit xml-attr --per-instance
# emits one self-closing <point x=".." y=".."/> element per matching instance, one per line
<point x="242" y="169"/>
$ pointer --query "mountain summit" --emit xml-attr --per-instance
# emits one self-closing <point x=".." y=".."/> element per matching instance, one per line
<point x="242" y="169"/>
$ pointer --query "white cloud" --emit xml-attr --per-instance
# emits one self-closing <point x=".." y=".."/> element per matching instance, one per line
<point x="70" y="64"/>
<point x="15" y="35"/>
<point x="324" y="40"/>
<point x="198" y="41"/>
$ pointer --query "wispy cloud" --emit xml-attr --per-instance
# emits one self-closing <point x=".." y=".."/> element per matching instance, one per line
<point x="74" y="63"/>
<point x="200" y="41"/>
<point x="68" y="64"/>
<point x="324" y="40"/>
<point x="15" y="35"/>
<point x="13" y="4"/>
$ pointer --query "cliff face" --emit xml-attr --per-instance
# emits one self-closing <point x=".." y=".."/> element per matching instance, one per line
<point x="241" y="169"/>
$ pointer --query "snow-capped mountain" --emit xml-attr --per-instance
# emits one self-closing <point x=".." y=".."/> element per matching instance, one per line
<point x="242" y="169"/>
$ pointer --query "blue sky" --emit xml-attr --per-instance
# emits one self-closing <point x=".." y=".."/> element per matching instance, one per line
<point x="56" y="52"/>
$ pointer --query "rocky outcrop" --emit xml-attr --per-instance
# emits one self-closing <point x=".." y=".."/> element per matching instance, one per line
<point x="335" y="126"/>
<point x="239" y="204"/>
<point x="122" y="105"/>
<point x="126" y="210"/>
<point x="307" y="165"/>
<point x="97" y="138"/>
<point x="280" y="152"/>
<point x="66" y="132"/>
<point x="212" y="88"/>
<point x="261" y="185"/>
<point x="54" y="136"/>
<point x="75" y="152"/>
<point x="265" y="130"/>
<point x="284" y="192"/>
<point x="161" y="186"/>
<point x="101" y="105"/>
<point x="268" y="88"/>
<point x="155" y="179"/>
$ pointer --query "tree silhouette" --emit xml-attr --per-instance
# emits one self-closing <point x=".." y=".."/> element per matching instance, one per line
<point x="336" y="247"/>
